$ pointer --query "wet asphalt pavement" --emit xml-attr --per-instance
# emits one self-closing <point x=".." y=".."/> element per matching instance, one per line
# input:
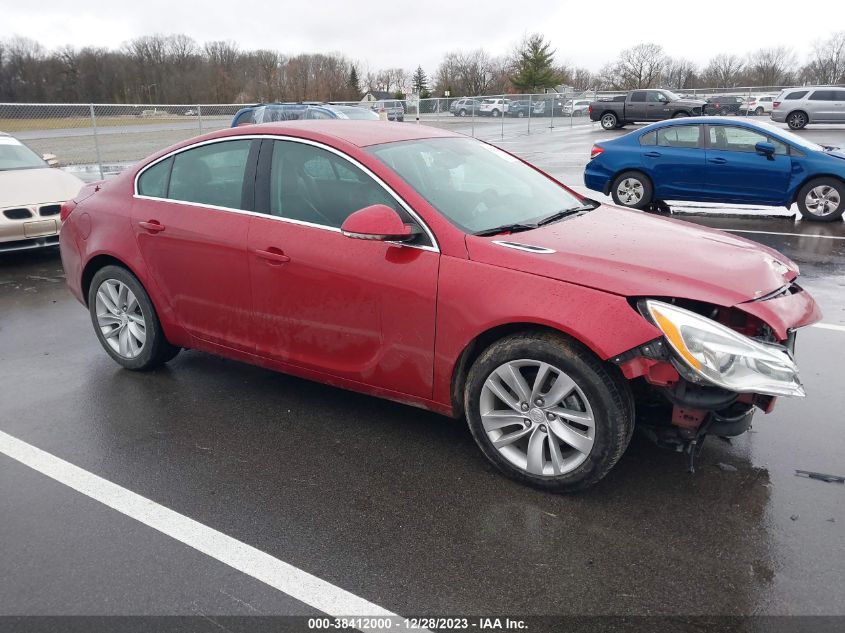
<point x="394" y="504"/>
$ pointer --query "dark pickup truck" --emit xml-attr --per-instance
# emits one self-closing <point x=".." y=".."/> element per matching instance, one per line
<point x="640" y="106"/>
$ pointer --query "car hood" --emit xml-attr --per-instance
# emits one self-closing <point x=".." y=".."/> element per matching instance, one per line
<point x="690" y="102"/>
<point x="631" y="253"/>
<point x="23" y="187"/>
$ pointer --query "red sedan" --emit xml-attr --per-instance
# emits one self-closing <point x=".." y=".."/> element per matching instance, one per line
<point x="422" y="266"/>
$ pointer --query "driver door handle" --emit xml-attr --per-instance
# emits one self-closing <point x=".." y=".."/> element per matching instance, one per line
<point x="274" y="256"/>
<point x="718" y="161"/>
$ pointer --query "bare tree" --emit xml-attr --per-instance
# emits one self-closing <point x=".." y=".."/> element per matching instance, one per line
<point x="723" y="71"/>
<point x="640" y="66"/>
<point x="680" y="74"/>
<point x="827" y="61"/>
<point x="771" y="67"/>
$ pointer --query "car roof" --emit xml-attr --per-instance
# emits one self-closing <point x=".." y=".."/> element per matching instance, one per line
<point x="357" y="132"/>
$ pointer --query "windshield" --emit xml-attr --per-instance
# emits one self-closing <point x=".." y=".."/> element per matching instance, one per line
<point x="357" y="113"/>
<point x="789" y="137"/>
<point x="16" y="155"/>
<point x="672" y="96"/>
<point x="474" y="185"/>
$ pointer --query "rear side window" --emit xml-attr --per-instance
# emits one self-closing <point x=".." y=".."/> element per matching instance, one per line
<point x="649" y="139"/>
<point x="679" y="136"/>
<point x="794" y="96"/>
<point x="211" y="174"/>
<point x="823" y="95"/>
<point x="638" y="96"/>
<point x="153" y="182"/>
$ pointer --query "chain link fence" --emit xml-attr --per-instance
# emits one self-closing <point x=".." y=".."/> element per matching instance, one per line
<point x="98" y="140"/>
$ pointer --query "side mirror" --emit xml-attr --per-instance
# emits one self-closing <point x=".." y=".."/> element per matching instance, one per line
<point x="50" y="159"/>
<point x="378" y="222"/>
<point x="766" y="149"/>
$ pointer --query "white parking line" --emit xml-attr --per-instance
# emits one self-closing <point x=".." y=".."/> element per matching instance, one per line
<point x="827" y="237"/>
<point x="288" y="579"/>
<point x="829" y="326"/>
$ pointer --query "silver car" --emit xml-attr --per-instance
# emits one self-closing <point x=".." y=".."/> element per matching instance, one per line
<point x="799" y="106"/>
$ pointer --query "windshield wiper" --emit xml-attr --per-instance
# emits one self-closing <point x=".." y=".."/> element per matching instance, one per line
<point x="554" y="217"/>
<point x="507" y="228"/>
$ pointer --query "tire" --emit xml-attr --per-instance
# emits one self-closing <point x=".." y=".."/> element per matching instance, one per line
<point x="520" y="114"/>
<point x="601" y="432"/>
<point x="609" y="121"/>
<point x="680" y="115"/>
<point x="759" y="111"/>
<point x="797" y="120"/>
<point x="638" y="191"/>
<point x="154" y="350"/>
<point x="462" y="112"/>
<point x="577" y="113"/>
<point x="723" y="112"/>
<point x="831" y="190"/>
<point x="494" y="113"/>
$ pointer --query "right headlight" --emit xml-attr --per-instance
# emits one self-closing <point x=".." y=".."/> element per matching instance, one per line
<point x="725" y="358"/>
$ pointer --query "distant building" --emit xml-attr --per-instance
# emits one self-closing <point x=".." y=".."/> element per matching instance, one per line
<point x="376" y="95"/>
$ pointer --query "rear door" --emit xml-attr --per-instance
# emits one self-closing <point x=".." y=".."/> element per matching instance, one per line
<point x="674" y="157"/>
<point x="635" y="106"/>
<point x="192" y="233"/>
<point x="736" y="172"/>
<point x="360" y="310"/>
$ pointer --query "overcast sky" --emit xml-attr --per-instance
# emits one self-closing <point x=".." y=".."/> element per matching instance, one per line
<point x="380" y="33"/>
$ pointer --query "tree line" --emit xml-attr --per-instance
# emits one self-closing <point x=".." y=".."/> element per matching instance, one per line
<point x="177" y="69"/>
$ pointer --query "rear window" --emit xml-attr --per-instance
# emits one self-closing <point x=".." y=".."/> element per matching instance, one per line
<point x="792" y="96"/>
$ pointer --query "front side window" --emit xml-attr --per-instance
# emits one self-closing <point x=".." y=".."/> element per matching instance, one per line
<point x="739" y="139"/>
<point x="679" y="136"/>
<point x="475" y="186"/>
<point x="311" y="184"/>
<point x="210" y="174"/>
<point x="655" y="96"/>
<point x="822" y="95"/>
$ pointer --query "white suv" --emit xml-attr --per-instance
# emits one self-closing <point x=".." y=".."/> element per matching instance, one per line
<point x="757" y="105"/>
<point x="493" y="107"/>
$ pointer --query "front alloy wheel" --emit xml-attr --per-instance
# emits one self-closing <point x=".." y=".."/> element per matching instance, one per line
<point x="547" y="412"/>
<point x="537" y="417"/>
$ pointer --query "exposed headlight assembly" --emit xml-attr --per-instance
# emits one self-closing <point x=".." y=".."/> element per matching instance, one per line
<point x="725" y="358"/>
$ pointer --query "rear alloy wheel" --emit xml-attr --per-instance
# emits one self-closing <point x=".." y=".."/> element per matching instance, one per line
<point x="546" y="412"/>
<point x="797" y="120"/>
<point x="462" y="112"/>
<point x="126" y="322"/>
<point x="632" y="189"/>
<point x="759" y="112"/>
<point x="520" y="114"/>
<point x="494" y="113"/>
<point x="822" y="200"/>
<point x="609" y="121"/>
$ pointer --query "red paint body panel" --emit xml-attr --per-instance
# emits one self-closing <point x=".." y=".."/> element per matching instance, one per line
<point x="393" y="320"/>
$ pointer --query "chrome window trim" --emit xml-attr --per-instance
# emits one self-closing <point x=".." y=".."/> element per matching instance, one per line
<point x="435" y="247"/>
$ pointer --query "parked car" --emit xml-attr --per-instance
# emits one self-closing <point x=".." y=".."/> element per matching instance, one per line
<point x="723" y="105"/>
<point x="274" y="112"/>
<point x="735" y="161"/>
<point x="493" y="107"/>
<point x="31" y="195"/>
<point x="757" y="105"/>
<point x="799" y="106"/>
<point x="465" y="106"/>
<point x="393" y="109"/>
<point x="520" y="108"/>
<point x="578" y="107"/>
<point x="641" y="106"/>
<point x="318" y="249"/>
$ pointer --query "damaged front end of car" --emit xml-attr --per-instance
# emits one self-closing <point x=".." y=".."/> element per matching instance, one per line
<point x="714" y="365"/>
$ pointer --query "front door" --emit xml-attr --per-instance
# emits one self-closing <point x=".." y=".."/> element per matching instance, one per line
<point x="736" y="172"/>
<point x="357" y="309"/>
<point x="193" y="238"/>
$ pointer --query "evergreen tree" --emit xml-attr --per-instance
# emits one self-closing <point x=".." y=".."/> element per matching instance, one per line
<point x="420" y="82"/>
<point x="534" y="65"/>
<point x="353" y="85"/>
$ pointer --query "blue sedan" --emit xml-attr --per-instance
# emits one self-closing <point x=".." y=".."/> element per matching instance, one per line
<point x="720" y="159"/>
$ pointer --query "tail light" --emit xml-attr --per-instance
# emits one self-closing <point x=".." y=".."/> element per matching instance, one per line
<point x="590" y="109"/>
<point x="776" y="104"/>
<point x="67" y="209"/>
<point x="597" y="149"/>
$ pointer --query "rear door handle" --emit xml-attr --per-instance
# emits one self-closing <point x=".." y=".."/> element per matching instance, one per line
<point x="653" y="154"/>
<point x="153" y="226"/>
<point x="718" y="161"/>
<point x="274" y="256"/>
